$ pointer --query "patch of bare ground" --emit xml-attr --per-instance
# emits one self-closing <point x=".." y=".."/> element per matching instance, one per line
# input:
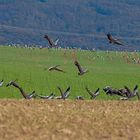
<point x="69" y="120"/>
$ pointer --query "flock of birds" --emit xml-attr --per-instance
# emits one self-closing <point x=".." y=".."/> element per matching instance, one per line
<point x="125" y="93"/>
<point x="81" y="71"/>
<point x="54" y="44"/>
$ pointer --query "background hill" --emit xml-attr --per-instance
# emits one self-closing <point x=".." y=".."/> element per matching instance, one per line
<point x="77" y="23"/>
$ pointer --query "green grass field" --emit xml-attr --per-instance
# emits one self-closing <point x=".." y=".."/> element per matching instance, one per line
<point x="27" y="65"/>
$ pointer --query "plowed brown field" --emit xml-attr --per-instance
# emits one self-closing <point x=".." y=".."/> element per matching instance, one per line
<point x="58" y="120"/>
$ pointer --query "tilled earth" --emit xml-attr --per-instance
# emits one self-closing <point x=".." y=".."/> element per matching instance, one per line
<point x="69" y="120"/>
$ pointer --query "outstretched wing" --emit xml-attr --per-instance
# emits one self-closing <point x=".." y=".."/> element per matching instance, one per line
<point x="31" y="95"/>
<point x="1" y="83"/>
<point x="51" y="96"/>
<point x="128" y="90"/>
<point x="128" y="93"/>
<point x="66" y="93"/>
<point x="113" y="40"/>
<point x="58" y="69"/>
<point x="97" y="92"/>
<point x="56" y="42"/>
<point x="135" y="89"/>
<point x="90" y="93"/>
<point x="78" y="66"/>
<point x="42" y="97"/>
<point x="118" y="42"/>
<point x="53" y="67"/>
<point x="56" y="66"/>
<point x="62" y="95"/>
<point x="49" y="40"/>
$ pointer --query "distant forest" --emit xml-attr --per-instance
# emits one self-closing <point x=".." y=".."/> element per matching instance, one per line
<point x="77" y="23"/>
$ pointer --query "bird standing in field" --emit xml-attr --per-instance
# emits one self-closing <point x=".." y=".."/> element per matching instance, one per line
<point x="113" y="40"/>
<point x="81" y="71"/>
<point x="52" y="44"/>
<point x="52" y="68"/>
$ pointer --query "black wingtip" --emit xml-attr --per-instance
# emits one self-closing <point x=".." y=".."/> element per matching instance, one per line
<point x="33" y="91"/>
<point x="69" y="88"/>
<point x="125" y="87"/>
<point x="97" y="89"/>
<point x="136" y="87"/>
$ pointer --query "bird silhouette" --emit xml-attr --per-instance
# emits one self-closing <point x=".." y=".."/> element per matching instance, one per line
<point x="55" y="68"/>
<point x="81" y="71"/>
<point x="133" y="93"/>
<point x="113" y="40"/>
<point x="64" y="95"/>
<point x="93" y="94"/>
<point x="25" y="95"/>
<point x="120" y="92"/>
<point x="51" y="43"/>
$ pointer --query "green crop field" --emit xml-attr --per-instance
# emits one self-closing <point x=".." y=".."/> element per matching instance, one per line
<point x="114" y="69"/>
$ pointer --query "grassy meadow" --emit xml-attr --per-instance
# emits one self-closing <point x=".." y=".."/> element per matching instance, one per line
<point x="28" y="66"/>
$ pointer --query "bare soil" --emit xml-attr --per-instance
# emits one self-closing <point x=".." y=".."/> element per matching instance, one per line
<point x="69" y="120"/>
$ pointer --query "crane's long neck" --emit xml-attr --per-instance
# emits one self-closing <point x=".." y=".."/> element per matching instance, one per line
<point x="20" y="89"/>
